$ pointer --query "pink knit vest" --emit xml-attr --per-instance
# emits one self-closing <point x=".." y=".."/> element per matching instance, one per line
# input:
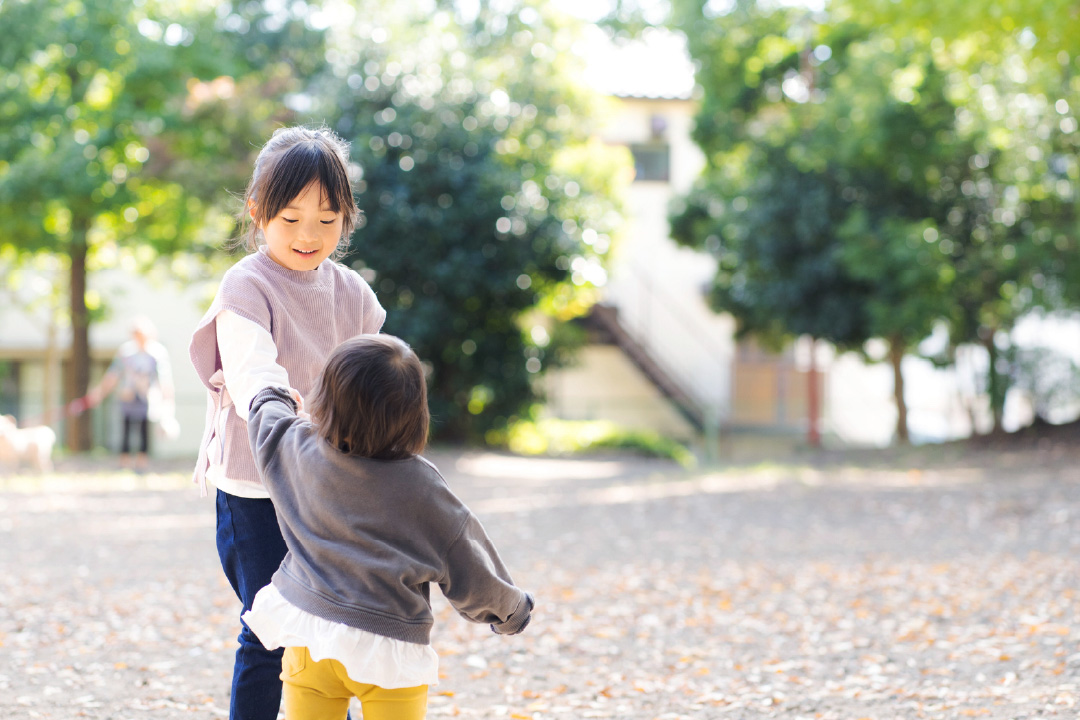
<point x="308" y="313"/>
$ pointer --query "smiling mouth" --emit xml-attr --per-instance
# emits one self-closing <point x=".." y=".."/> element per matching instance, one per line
<point x="305" y="252"/>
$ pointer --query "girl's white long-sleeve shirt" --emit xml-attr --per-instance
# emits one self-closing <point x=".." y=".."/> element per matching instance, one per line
<point x="249" y="364"/>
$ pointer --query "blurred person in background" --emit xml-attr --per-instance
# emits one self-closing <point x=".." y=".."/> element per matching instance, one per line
<point x="142" y="376"/>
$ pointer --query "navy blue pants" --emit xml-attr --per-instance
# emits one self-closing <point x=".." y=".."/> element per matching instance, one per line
<point x="250" y="546"/>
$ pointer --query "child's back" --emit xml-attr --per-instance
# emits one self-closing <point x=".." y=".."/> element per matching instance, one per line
<point x="367" y="535"/>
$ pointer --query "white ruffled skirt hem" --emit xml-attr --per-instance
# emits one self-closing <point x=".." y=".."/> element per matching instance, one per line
<point x="367" y="657"/>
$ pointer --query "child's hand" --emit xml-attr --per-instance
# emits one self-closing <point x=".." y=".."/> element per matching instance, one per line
<point x="300" y="411"/>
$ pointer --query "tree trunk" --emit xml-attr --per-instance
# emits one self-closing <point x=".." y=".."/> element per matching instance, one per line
<point x="78" y="434"/>
<point x="896" y="357"/>
<point x="996" y="391"/>
<point x="813" y="399"/>
<point x="52" y="378"/>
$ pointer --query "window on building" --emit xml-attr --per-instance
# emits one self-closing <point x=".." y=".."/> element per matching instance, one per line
<point x="651" y="162"/>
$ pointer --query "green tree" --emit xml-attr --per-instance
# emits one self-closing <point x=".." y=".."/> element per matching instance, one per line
<point x="986" y="31"/>
<point x="106" y="137"/>
<point x="954" y="183"/>
<point x="780" y="262"/>
<point x="1008" y="218"/>
<point x="770" y="200"/>
<point x="894" y="143"/>
<point x="488" y="208"/>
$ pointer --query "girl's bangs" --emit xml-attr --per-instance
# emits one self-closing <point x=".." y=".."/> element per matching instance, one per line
<point x="296" y="169"/>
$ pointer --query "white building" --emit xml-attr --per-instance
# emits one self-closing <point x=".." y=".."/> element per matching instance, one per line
<point x="663" y="359"/>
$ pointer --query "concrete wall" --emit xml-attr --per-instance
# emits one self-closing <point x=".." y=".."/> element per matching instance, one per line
<point x="604" y="385"/>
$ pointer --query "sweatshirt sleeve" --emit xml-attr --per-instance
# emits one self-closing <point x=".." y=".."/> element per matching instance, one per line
<point x="479" y="586"/>
<point x="271" y="415"/>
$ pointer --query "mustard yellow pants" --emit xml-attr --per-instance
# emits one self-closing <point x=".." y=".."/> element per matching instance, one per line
<point x="322" y="690"/>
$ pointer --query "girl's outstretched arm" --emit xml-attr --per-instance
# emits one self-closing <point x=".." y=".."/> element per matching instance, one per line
<point x="479" y="586"/>
<point x="272" y="413"/>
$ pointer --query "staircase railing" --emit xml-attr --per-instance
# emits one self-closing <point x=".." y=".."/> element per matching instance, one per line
<point x="636" y="334"/>
<point x="608" y="317"/>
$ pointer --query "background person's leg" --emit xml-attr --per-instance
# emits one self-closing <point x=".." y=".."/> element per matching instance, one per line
<point x="141" y="460"/>
<point x="251" y="548"/>
<point x="125" y="442"/>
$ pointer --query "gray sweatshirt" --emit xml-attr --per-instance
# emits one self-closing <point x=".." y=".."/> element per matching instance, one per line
<point x="366" y="537"/>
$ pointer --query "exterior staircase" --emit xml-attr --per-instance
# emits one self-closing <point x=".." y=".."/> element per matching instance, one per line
<point x="604" y="319"/>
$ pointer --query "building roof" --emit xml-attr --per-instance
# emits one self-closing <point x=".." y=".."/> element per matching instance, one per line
<point x="655" y="65"/>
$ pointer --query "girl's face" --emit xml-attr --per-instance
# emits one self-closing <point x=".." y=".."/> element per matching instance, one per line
<point x="306" y="232"/>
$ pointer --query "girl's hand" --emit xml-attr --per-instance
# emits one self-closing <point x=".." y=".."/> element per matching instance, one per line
<point x="300" y="411"/>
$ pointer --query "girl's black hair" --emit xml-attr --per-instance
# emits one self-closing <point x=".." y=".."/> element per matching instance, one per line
<point x="292" y="159"/>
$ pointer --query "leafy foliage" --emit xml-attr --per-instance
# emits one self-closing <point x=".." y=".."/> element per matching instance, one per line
<point x="488" y="209"/>
<point x="946" y="180"/>
<point x="106" y="137"/>
<point x="1050" y="27"/>
<point x="552" y="436"/>
<point x="780" y="266"/>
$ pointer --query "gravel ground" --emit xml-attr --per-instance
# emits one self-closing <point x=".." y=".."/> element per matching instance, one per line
<point x="895" y="590"/>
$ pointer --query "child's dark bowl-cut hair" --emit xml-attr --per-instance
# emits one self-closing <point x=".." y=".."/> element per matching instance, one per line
<point x="371" y="399"/>
<point x="291" y="160"/>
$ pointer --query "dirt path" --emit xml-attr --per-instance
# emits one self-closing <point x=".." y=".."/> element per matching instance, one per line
<point x="751" y="593"/>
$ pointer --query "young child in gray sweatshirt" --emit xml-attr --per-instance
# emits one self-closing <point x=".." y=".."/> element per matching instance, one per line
<point x="369" y="524"/>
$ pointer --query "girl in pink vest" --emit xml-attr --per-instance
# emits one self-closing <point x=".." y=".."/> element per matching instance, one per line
<point x="278" y="314"/>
